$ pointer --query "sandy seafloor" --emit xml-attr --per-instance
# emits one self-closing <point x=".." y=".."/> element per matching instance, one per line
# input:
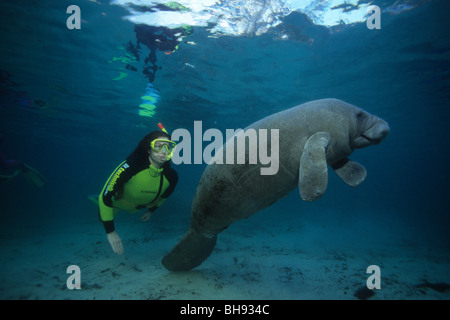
<point x="251" y="261"/>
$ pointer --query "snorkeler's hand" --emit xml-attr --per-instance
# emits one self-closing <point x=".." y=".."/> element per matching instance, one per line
<point x="115" y="242"/>
<point x="146" y="216"/>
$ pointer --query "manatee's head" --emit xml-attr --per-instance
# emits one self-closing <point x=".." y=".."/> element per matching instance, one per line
<point x="369" y="129"/>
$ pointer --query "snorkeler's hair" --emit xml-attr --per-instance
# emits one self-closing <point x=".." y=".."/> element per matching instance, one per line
<point x="141" y="151"/>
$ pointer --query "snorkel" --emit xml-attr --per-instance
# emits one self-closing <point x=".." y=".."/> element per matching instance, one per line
<point x="162" y="128"/>
<point x="170" y="146"/>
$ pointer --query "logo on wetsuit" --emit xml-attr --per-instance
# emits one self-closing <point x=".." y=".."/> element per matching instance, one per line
<point x="115" y="177"/>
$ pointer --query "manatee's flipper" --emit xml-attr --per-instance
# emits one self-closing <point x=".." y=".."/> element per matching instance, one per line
<point x="350" y="171"/>
<point x="190" y="252"/>
<point x="33" y="176"/>
<point x="313" y="176"/>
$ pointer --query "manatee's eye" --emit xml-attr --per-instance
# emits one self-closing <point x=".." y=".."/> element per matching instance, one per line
<point x="360" y="115"/>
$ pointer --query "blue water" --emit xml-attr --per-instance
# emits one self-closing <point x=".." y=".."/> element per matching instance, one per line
<point x="63" y="114"/>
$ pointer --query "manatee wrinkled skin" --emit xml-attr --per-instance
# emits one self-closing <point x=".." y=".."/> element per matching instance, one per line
<point x="312" y="136"/>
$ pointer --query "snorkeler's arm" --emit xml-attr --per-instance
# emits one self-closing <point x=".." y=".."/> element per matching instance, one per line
<point x="172" y="177"/>
<point x="121" y="176"/>
<point x="116" y="181"/>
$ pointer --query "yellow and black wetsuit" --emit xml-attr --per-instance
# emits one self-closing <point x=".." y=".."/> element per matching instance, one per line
<point x="133" y="186"/>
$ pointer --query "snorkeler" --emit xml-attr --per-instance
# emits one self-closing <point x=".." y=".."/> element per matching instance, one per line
<point x="144" y="180"/>
<point x="12" y="168"/>
<point x="159" y="38"/>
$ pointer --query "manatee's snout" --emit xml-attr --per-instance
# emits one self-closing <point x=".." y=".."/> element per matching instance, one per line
<point x="373" y="135"/>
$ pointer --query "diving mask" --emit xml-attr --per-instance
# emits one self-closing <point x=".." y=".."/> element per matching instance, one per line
<point x="160" y="144"/>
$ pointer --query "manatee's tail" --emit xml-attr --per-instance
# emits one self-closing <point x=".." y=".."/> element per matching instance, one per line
<point x="190" y="252"/>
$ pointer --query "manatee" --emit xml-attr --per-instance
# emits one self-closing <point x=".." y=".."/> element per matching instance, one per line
<point x="312" y="136"/>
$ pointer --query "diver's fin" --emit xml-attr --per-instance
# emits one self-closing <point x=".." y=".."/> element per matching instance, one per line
<point x="313" y="172"/>
<point x="93" y="198"/>
<point x="351" y="172"/>
<point x="6" y="176"/>
<point x="189" y="252"/>
<point x="33" y="176"/>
